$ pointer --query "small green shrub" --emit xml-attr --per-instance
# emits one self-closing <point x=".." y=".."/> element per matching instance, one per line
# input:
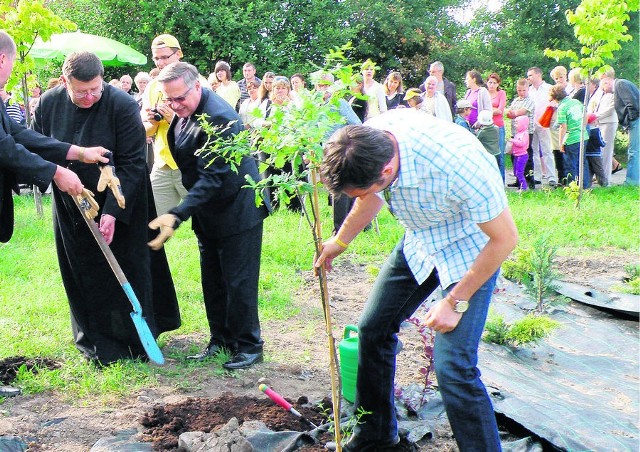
<point x="631" y="281"/>
<point x="530" y="329"/>
<point x="539" y="282"/>
<point x="527" y="330"/>
<point x="496" y="329"/>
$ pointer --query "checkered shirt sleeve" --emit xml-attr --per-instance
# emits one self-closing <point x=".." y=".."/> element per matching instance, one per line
<point x="447" y="184"/>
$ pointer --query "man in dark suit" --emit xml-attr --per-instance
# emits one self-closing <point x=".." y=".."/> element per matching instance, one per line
<point x="225" y="219"/>
<point x="16" y="160"/>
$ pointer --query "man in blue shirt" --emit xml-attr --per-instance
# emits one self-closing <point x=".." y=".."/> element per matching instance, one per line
<point x="446" y="191"/>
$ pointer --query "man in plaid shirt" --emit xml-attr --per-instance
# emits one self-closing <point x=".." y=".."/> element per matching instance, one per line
<point x="447" y="192"/>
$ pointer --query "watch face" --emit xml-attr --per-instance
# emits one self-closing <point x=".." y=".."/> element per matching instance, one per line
<point x="461" y="306"/>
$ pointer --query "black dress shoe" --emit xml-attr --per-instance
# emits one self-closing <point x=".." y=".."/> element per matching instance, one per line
<point x="243" y="360"/>
<point x="211" y="350"/>
<point x="356" y="444"/>
<point x="514" y="185"/>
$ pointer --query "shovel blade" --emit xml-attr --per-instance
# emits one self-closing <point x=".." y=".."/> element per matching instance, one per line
<point x="148" y="342"/>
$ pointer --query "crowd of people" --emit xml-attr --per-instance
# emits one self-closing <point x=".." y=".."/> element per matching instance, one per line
<point x="550" y="158"/>
<point x="438" y="161"/>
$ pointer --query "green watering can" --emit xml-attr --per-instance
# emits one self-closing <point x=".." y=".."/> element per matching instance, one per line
<point x="349" y="362"/>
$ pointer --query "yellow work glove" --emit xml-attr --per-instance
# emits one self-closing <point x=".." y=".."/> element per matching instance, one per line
<point x="88" y="204"/>
<point x="108" y="178"/>
<point x="167" y="223"/>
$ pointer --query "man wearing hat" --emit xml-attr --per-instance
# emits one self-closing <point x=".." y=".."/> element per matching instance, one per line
<point x="166" y="179"/>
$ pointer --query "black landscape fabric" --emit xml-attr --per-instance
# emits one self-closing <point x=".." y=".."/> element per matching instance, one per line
<point x="577" y="389"/>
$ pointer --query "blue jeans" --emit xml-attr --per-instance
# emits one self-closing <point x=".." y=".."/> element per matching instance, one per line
<point x="633" y="159"/>
<point x="500" y="157"/>
<point x="394" y="297"/>
<point x="572" y="161"/>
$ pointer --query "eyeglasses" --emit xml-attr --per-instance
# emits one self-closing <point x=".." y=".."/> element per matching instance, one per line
<point x="164" y="57"/>
<point x="83" y="94"/>
<point x="170" y="100"/>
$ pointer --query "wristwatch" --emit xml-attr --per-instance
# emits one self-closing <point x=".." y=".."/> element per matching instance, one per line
<point x="460" y="306"/>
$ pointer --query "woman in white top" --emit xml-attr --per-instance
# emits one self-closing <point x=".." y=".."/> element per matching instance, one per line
<point x="434" y="102"/>
<point x="249" y="105"/>
<point x="228" y="89"/>
<point x="377" y="101"/>
<point x="601" y="104"/>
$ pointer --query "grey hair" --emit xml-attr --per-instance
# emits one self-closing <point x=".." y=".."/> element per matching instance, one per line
<point x="179" y="69"/>
<point x="438" y="65"/>
<point x="142" y="76"/>
<point x="7" y="46"/>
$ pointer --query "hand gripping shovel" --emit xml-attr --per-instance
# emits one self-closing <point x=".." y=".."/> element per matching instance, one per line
<point x="144" y="333"/>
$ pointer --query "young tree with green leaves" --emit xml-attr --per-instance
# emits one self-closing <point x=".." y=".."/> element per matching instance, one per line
<point x="599" y="28"/>
<point x="295" y="136"/>
<point x="26" y="20"/>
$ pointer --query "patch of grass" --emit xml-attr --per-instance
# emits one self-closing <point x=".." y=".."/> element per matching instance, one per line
<point x="609" y="217"/>
<point x="36" y="313"/>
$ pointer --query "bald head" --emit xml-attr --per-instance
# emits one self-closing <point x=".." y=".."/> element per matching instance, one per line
<point x="7" y="46"/>
<point x="7" y="57"/>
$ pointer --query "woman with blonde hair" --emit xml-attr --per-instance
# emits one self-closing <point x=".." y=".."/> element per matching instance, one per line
<point x="228" y="89"/>
<point x="266" y="85"/>
<point x="394" y="90"/>
<point x="576" y="87"/>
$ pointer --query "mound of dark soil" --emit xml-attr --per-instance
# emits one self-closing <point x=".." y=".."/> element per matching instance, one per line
<point x="9" y="366"/>
<point x="164" y="424"/>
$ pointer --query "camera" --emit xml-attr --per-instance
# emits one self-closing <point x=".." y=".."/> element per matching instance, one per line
<point x="157" y="115"/>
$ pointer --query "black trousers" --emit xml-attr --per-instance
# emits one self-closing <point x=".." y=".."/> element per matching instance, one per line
<point x="230" y="269"/>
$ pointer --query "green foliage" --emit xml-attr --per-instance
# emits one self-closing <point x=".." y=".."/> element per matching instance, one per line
<point x="25" y="21"/>
<point x="528" y="330"/>
<point x="599" y="28"/>
<point x="532" y="265"/>
<point x="540" y="281"/>
<point x="293" y="136"/>
<point x="517" y="267"/>
<point x="347" y="426"/>
<point x="631" y="281"/>
<point x="572" y="191"/>
<point x="495" y="329"/>
<point x="531" y="329"/>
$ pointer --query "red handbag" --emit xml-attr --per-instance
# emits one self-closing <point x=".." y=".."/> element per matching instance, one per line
<point x="545" y="119"/>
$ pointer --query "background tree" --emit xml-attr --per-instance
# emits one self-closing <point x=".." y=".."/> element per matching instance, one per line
<point x="26" y="20"/>
<point x="291" y="36"/>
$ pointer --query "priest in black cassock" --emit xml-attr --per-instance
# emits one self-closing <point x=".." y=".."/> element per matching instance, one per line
<point x="84" y="110"/>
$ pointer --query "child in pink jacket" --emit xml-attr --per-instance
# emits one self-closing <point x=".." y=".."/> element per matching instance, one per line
<point x="519" y="145"/>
